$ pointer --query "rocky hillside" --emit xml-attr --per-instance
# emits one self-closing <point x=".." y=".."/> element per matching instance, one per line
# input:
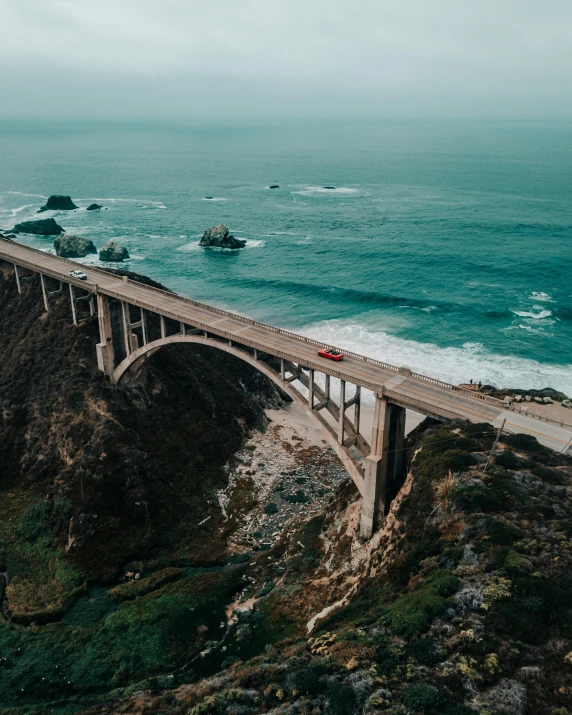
<point x="126" y="589"/>
<point x="461" y="604"/>
<point x="98" y="481"/>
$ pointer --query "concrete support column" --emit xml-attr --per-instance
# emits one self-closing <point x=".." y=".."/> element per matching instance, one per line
<point x="342" y="411"/>
<point x="327" y="387"/>
<point x="182" y="328"/>
<point x="91" y="307"/>
<point x="375" y="476"/>
<point x="397" y="460"/>
<point x="282" y="368"/>
<point x="72" y="298"/>
<point x="105" y="351"/>
<point x="44" y="292"/>
<point x="163" y="327"/>
<point x="311" y="389"/>
<point x="255" y="354"/>
<point x="18" y="284"/>
<point x="357" y="408"/>
<point x="144" y="327"/>
<point x="126" y="330"/>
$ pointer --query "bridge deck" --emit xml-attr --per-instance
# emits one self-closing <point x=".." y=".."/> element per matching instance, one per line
<point x="424" y="395"/>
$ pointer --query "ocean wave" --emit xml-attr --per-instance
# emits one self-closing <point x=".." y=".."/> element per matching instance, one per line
<point x="533" y="316"/>
<point x="254" y="243"/>
<point x="195" y="245"/>
<point x="214" y="198"/>
<point x="309" y="190"/>
<point x="539" y="295"/>
<point x="454" y="365"/>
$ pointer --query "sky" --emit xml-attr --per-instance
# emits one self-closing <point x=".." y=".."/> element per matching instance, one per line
<point x="286" y="58"/>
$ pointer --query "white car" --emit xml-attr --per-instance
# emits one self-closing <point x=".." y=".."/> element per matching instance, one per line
<point x="78" y="274"/>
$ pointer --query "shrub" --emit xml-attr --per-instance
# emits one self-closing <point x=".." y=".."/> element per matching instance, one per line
<point x="341" y="700"/>
<point x="422" y="698"/>
<point x="271" y="508"/>
<point x="507" y="460"/>
<point x="445" y="491"/>
<point x="502" y="532"/>
<point x="552" y="476"/>
<point x="526" y="442"/>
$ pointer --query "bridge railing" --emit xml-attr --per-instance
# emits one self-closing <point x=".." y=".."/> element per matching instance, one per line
<point x="310" y="341"/>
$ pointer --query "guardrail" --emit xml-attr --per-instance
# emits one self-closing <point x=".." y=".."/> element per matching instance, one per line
<point x="295" y="336"/>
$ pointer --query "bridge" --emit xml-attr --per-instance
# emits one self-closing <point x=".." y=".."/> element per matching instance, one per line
<point x="136" y="320"/>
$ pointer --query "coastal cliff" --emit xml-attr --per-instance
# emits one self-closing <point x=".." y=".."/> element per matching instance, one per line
<point x="134" y="580"/>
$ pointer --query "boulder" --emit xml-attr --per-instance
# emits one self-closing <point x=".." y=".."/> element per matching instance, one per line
<point x="94" y="207"/>
<point x="547" y="401"/>
<point x="73" y="246"/>
<point x="58" y="203"/>
<point x="539" y="400"/>
<point x="219" y="237"/>
<point x="567" y="403"/>
<point x="113" y="252"/>
<point x="43" y="227"/>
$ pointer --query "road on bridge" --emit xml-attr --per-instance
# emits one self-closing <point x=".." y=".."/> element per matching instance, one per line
<point x="416" y="392"/>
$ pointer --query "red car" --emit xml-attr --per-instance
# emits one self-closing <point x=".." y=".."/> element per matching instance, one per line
<point x="331" y="354"/>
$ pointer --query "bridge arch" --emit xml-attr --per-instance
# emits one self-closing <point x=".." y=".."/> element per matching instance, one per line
<point x="129" y="368"/>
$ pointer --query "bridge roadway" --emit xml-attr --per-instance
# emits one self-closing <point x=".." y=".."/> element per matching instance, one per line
<point x="400" y="385"/>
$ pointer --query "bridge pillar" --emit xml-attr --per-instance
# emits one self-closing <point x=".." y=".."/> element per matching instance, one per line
<point x="105" y="351"/>
<point x="384" y="467"/>
<point x="164" y="328"/>
<point x="283" y="369"/>
<point x="342" y="411"/>
<point x="357" y="408"/>
<point x="125" y="319"/>
<point x="375" y="476"/>
<point x="327" y="388"/>
<point x="44" y="293"/>
<point x="18" y="284"/>
<point x="311" y="389"/>
<point x="72" y="298"/>
<point x="144" y="330"/>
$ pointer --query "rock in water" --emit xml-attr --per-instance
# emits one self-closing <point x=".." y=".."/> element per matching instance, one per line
<point x="275" y="186"/>
<point x="114" y="252"/>
<point x="43" y="227"/>
<point x="94" y="207"/>
<point x="219" y="237"/>
<point x="73" y="246"/>
<point x="58" y="203"/>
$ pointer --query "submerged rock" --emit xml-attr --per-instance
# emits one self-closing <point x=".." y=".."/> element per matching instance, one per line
<point x="43" y="227"/>
<point x="113" y="251"/>
<point x="94" y="207"/>
<point x="219" y="237"/>
<point x="73" y="246"/>
<point x="330" y="188"/>
<point x="275" y="186"/>
<point x="58" y="203"/>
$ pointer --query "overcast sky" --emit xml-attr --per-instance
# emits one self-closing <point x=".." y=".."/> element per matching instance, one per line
<point x="277" y="58"/>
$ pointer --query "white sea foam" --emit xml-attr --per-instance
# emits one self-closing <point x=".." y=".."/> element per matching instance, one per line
<point x="309" y="190"/>
<point x="454" y="365"/>
<point x="539" y="295"/>
<point x="534" y="316"/>
<point x="215" y="198"/>
<point x="253" y="243"/>
<point x="192" y="246"/>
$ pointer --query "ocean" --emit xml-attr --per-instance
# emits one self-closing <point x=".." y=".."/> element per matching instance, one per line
<point x="443" y="246"/>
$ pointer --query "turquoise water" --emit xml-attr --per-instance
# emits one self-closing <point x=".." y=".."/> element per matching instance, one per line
<point x="444" y="246"/>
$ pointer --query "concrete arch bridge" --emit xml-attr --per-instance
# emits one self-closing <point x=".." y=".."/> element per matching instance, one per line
<point x="136" y="320"/>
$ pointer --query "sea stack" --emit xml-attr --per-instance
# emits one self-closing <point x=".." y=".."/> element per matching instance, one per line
<point x="73" y="246"/>
<point x="113" y="252"/>
<point x="58" y="203"/>
<point x="94" y="207"/>
<point x="42" y="227"/>
<point x="220" y="237"/>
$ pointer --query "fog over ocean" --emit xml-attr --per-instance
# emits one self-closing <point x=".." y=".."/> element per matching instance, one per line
<point x="444" y="246"/>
